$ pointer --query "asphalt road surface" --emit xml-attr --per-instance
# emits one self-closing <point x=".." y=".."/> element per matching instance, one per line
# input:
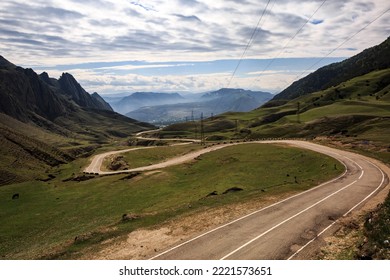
<point x="289" y="228"/>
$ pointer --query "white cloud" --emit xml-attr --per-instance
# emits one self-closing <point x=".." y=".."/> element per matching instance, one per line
<point x="147" y="66"/>
<point x="53" y="32"/>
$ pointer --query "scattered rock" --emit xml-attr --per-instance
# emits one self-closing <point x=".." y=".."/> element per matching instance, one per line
<point x="232" y="190"/>
<point x="79" y="178"/>
<point x="214" y="193"/>
<point x="83" y="237"/>
<point x="48" y="178"/>
<point x="131" y="176"/>
<point x="130" y="217"/>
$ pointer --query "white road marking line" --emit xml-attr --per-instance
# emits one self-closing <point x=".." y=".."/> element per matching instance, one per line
<point x="255" y="212"/>
<point x="165" y="252"/>
<point x="246" y="216"/>
<point x="350" y="210"/>
<point x="361" y="175"/>
<point x="309" y="147"/>
<point x="372" y="193"/>
<point x="286" y="220"/>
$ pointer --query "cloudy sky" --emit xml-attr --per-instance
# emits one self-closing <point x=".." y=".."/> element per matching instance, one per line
<point x="114" y="46"/>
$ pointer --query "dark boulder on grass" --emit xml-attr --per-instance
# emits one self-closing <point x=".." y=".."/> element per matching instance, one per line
<point x="233" y="190"/>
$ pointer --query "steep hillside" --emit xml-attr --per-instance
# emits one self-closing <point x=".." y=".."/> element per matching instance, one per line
<point x="49" y="103"/>
<point x="45" y="122"/>
<point x="101" y="101"/>
<point x="68" y="84"/>
<point x="356" y="111"/>
<point x="372" y="59"/>
<point x="25" y="153"/>
<point x="23" y="94"/>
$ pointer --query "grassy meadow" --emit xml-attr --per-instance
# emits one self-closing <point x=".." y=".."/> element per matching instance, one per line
<point x="355" y="112"/>
<point x="152" y="155"/>
<point x="48" y="216"/>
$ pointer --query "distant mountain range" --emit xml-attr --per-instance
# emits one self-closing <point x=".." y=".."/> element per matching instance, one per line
<point x="142" y="99"/>
<point x="164" y="108"/>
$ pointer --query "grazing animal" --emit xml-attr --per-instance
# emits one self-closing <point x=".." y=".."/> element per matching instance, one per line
<point x="15" y="196"/>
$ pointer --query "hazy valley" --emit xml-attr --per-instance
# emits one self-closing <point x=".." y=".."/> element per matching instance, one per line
<point x="168" y="108"/>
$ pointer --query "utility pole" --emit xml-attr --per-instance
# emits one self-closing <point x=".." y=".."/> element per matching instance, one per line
<point x="202" y="140"/>
<point x="196" y="125"/>
<point x="201" y="129"/>
<point x="298" y="109"/>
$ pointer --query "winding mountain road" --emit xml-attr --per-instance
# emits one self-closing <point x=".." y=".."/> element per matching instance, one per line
<point x="288" y="228"/>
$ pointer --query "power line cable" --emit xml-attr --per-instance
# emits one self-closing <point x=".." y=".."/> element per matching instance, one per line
<point x="339" y="46"/>
<point x="292" y="38"/>
<point x="249" y="43"/>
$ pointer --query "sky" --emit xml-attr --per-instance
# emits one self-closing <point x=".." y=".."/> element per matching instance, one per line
<point x="122" y="46"/>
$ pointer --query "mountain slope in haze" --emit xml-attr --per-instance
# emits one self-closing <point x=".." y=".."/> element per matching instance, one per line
<point x="101" y="101"/>
<point x="46" y="122"/>
<point x="142" y="99"/>
<point x="372" y="59"/>
<point x="72" y="88"/>
<point x="226" y="92"/>
<point x="212" y="103"/>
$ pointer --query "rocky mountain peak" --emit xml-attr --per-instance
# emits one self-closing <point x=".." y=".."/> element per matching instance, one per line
<point x="4" y="63"/>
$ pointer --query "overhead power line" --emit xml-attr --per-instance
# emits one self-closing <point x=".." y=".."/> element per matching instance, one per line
<point x="292" y="38"/>
<point x="339" y="46"/>
<point x="249" y="43"/>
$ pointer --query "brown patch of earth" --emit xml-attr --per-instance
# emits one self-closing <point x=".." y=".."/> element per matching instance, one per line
<point x="146" y="243"/>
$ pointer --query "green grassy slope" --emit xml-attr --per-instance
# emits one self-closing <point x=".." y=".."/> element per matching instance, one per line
<point x="143" y="157"/>
<point x="45" y="122"/>
<point x="353" y="115"/>
<point x="372" y="59"/>
<point x="357" y="110"/>
<point x="29" y="151"/>
<point x="49" y="215"/>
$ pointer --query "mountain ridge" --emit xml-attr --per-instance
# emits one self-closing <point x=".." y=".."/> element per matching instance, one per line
<point x="371" y="59"/>
<point x="72" y="88"/>
<point x="45" y="122"/>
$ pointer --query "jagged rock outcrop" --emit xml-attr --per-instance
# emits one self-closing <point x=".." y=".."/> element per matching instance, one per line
<point x="101" y="101"/>
<point x="73" y="89"/>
